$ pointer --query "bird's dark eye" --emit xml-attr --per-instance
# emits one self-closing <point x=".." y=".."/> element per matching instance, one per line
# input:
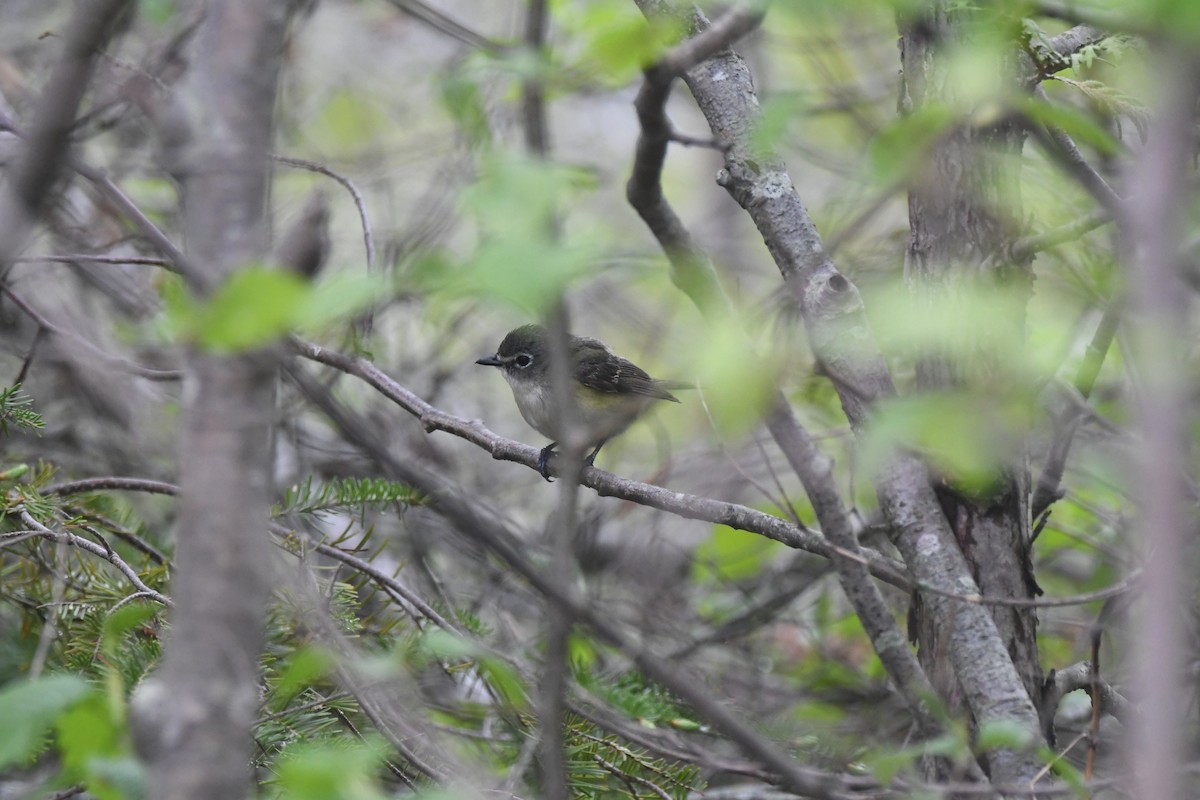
<point x="523" y="360"/>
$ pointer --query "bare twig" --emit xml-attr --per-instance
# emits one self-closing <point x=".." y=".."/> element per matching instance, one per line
<point x="1079" y="676"/>
<point x="359" y="203"/>
<point x="105" y="553"/>
<point x="108" y="484"/>
<point x="88" y="258"/>
<point x="448" y="26"/>
<point x="45" y="324"/>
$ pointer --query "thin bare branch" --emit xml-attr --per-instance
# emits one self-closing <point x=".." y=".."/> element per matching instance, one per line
<point x="126" y="366"/>
<point x="109" y="555"/>
<point x="604" y="483"/>
<point x="444" y="24"/>
<point x="359" y="203"/>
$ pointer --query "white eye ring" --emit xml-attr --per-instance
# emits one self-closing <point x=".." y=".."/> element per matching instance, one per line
<point x="523" y="360"/>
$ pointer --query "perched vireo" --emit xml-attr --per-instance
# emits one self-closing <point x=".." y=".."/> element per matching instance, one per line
<point x="610" y="391"/>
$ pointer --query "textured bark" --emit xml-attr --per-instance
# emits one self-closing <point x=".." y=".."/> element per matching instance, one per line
<point x="195" y="724"/>
<point x="963" y="216"/>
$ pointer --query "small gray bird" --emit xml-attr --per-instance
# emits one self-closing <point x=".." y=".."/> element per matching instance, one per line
<point x="610" y="391"/>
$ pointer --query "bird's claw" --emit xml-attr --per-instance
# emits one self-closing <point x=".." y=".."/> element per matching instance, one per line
<point x="543" y="462"/>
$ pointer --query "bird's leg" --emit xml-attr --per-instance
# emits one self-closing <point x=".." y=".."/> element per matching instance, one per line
<point x="543" y="464"/>
<point x="592" y="456"/>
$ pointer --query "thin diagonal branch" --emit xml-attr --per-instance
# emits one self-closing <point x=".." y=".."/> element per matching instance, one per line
<point x="105" y="553"/>
<point x="604" y="483"/>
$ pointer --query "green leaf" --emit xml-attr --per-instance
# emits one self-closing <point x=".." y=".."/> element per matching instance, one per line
<point x="1079" y="125"/>
<point x="1004" y="734"/>
<point x="30" y="708"/>
<point x="772" y="122"/>
<point x="886" y="765"/>
<point x="526" y="253"/>
<point x="581" y="652"/>
<point x="339" y="298"/>
<point x="617" y="41"/>
<point x="332" y="770"/>
<point x="159" y="12"/>
<point x="255" y="306"/>
<point x="91" y="741"/>
<point x="732" y="555"/>
<point x="1065" y="770"/>
<point x="462" y="97"/>
<point x="121" y="778"/>
<point x="966" y="437"/>
<point x="304" y="667"/>
<point x="123" y="620"/>
<point x="444" y="644"/>
<point x="506" y="680"/>
<point x="521" y="196"/>
<point x="736" y="377"/>
<point x="348" y="122"/>
<point x="899" y="150"/>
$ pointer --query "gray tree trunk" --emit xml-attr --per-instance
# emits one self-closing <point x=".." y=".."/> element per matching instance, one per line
<point x="963" y="213"/>
<point x="195" y="725"/>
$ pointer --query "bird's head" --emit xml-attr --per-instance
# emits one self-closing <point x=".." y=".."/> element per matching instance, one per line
<point x="522" y="356"/>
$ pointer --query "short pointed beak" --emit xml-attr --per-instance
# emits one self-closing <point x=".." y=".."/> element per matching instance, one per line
<point x="488" y="361"/>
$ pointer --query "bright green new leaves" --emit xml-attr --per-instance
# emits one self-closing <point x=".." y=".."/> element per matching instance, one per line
<point x="900" y="149"/>
<point x="252" y="308"/>
<point x="122" y="621"/>
<point x="1078" y="125"/>
<point x="464" y="100"/>
<point x="95" y="750"/>
<point x="158" y="12"/>
<point x="775" y="117"/>
<point x="616" y="42"/>
<point x="30" y="709"/>
<point x="258" y="305"/>
<point x="526" y="255"/>
<point x="500" y="675"/>
<point x="91" y="733"/>
<point x="965" y="437"/>
<point x="348" y="122"/>
<point x="305" y="666"/>
<point x="736" y="376"/>
<point x="326" y="770"/>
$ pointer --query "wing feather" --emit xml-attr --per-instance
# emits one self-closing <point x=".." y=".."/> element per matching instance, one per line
<point x="596" y="367"/>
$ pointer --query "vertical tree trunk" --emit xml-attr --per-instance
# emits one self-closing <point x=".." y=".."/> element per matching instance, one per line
<point x="198" y="732"/>
<point x="963" y="212"/>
